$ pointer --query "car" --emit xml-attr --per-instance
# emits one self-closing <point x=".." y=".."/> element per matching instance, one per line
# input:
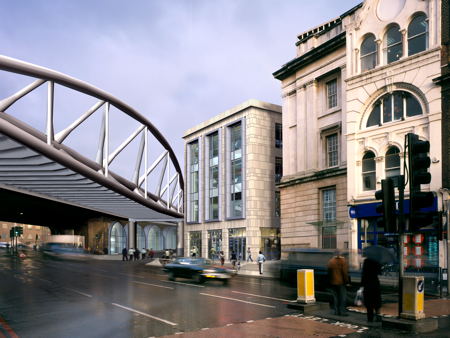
<point x="198" y="269"/>
<point x="63" y="250"/>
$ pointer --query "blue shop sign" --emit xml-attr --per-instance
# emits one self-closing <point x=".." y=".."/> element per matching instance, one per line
<point x="369" y="209"/>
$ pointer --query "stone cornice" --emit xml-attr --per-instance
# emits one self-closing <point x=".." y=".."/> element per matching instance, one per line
<point x="319" y="175"/>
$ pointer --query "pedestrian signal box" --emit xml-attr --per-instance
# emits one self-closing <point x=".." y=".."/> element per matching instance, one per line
<point x="413" y="297"/>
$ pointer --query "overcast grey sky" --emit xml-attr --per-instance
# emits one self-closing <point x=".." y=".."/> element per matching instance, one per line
<point x="178" y="62"/>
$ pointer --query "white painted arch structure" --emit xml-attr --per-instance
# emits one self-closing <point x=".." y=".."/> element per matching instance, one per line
<point x="38" y="163"/>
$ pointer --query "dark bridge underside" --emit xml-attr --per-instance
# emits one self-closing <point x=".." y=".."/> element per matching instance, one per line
<point x="27" y="209"/>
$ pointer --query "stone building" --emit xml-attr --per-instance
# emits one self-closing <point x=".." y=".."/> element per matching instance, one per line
<point x="232" y="163"/>
<point x="393" y="55"/>
<point x="314" y="184"/>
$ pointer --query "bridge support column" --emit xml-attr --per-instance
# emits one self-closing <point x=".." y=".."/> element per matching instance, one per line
<point x="132" y="234"/>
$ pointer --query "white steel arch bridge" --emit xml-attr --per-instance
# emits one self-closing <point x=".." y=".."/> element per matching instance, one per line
<point x="42" y="179"/>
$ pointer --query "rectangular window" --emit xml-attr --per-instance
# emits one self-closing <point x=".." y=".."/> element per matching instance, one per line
<point x="332" y="150"/>
<point x="332" y="93"/>
<point x="213" y="207"/>
<point x="328" y="215"/>
<point x="277" y="204"/>
<point x="235" y="209"/>
<point x="278" y="135"/>
<point x="278" y="169"/>
<point x="329" y="205"/>
<point x="194" y="182"/>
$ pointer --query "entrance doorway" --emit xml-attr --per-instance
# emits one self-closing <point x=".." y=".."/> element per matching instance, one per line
<point x="237" y="242"/>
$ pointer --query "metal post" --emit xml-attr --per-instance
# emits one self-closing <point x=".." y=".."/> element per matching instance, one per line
<point x="106" y="140"/>
<point x="50" y="104"/>
<point x="401" y="229"/>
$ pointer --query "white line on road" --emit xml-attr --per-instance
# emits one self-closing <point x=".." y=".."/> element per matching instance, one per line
<point x="180" y="283"/>
<point x="144" y="314"/>
<point x="79" y="292"/>
<point x="237" y="300"/>
<point x="158" y="286"/>
<point x="253" y="295"/>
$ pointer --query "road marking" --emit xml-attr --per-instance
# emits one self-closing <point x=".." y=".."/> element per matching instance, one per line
<point x="144" y="314"/>
<point x="79" y="292"/>
<point x="158" y="286"/>
<point x="130" y="275"/>
<point x="240" y="281"/>
<point x="237" y="300"/>
<point x="251" y="294"/>
<point x="187" y="284"/>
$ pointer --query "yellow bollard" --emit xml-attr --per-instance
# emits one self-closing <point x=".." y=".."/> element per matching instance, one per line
<point x="305" y="286"/>
<point x="413" y="297"/>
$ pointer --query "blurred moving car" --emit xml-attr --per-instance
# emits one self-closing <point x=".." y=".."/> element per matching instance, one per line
<point x="198" y="269"/>
<point x="63" y="250"/>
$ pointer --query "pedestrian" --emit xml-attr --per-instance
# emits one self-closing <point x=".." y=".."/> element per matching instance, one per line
<point x="222" y="258"/>
<point x="144" y="253"/>
<point x="338" y="278"/>
<point x="124" y="254"/>
<point x="233" y="259"/>
<point x="137" y="254"/>
<point x="261" y="259"/>
<point x="213" y="254"/>
<point x="372" y="291"/>
<point x="151" y="253"/>
<point x="167" y="254"/>
<point x="249" y="255"/>
<point x="131" y="253"/>
<point x="194" y="251"/>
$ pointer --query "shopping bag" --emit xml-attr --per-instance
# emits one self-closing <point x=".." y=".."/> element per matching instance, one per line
<point x="359" y="297"/>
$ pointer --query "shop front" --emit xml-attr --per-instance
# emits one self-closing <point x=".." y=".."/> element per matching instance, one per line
<point x="421" y="249"/>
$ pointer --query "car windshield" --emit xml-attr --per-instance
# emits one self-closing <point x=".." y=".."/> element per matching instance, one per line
<point x="193" y="261"/>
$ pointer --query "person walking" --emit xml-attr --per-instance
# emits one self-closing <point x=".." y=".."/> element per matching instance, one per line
<point x="249" y="255"/>
<point x="233" y="259"/>
<point x="222" y="258"/>
<point x="137" y="254"/>
<point x="371" y="284"/>
<point x="260" y="260"/>
<point x="124" y="254"/>
<point x="144" y="253"/>
<point x="338" y="277"/>
<point x="131" y="253"/>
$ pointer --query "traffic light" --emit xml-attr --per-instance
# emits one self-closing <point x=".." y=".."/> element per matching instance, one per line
<point x="11" y="233"/>
<point x="387" y="206"/>
<point x="418" y="164"/>
<point x="19" y="230"/>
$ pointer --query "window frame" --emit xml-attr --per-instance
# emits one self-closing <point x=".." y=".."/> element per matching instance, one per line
<point x="213" y="167"/>
<point x="397" y="169"/>
<point x="426" y="33"/>
<point x="278" y="132"/>
<point x="193" y="215"/>
<point x="332" y="97"/>
<point x="329" y="240"/>
<point x="369" y="173"/>
<point x="374" y="53"/>
<point x="387" y="46"/>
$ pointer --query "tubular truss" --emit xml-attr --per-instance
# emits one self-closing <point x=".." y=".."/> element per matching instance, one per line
<point x="168" y="195"/>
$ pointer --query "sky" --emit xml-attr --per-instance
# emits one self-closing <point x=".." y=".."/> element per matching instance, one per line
<point x="177" y="62"/>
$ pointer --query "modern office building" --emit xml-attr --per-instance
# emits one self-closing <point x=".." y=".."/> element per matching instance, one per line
<point x="232" y="163"/>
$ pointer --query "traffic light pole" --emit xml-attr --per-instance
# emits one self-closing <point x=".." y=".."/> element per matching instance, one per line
<point x="401" y="229"/>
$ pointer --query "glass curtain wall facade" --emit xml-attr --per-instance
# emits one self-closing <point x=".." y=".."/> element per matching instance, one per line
<point x="213" y="162"/>
<point x="194" y="182"/>
<point x="235" y="208"/>
<point x="154" y="238"/>
<point x="140" y="244"/>
<point x="117" y="238"/>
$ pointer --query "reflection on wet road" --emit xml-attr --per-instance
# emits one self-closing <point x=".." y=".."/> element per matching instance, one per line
<point x="94" y="298"/>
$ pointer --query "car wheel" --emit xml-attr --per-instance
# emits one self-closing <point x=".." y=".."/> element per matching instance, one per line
<point x="199" y="279"/>
<point x="171" y="276"/>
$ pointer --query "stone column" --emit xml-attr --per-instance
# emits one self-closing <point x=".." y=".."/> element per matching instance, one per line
<point x="132" y="233"/>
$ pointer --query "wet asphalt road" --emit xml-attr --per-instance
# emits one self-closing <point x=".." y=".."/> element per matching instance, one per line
<point x="41" y="297"/>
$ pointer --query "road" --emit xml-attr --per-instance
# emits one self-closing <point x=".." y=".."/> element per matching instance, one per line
<point x="61" y="298"/>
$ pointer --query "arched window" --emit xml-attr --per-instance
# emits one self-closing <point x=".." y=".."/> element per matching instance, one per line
<point x="393" y="44"/>
<point x="418" y="35"/>
<point x="368" y="171"/>
<point x="117" y="238"/>
<point x="154" y="238"/>
<point x="393" y="106"/>
<point x="368" y="53"/>
<point x="140" y="238"/>
<point x="170" y="238"/>
<point x="392" y="162"/>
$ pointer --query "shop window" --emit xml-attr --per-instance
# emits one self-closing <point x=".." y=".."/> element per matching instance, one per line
<point x="369" y="52"/>
<point x="418" y="35"/>
<point x="393" y="45"/>
<point x="195" y="243"/>
<point x="369" y="171"/>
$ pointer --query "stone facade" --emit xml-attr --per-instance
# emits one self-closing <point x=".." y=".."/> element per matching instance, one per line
<point x="257" y="120"/>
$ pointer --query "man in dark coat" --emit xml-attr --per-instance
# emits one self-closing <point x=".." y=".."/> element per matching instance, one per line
<point x="338" y="276"/>
<point x="372" y="292"/>
<point x="124" y="254"/>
